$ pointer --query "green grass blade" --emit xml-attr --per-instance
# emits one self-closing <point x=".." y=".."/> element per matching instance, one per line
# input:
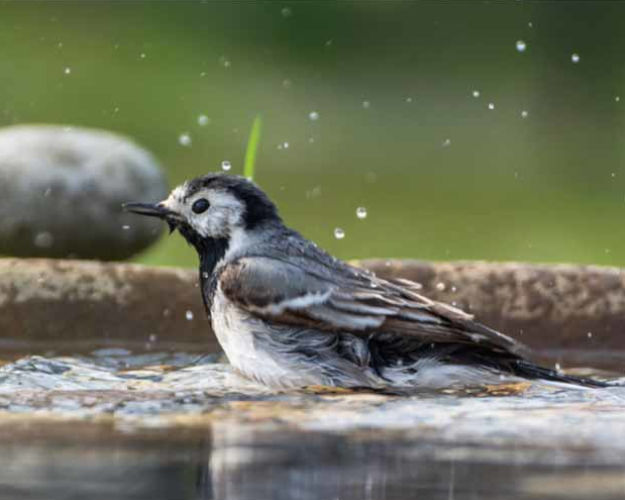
<point x="252" y="148"/>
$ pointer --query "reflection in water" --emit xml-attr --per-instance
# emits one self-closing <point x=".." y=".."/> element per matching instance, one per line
<point x="248" y="465"/>
<point x="241" y="462"/>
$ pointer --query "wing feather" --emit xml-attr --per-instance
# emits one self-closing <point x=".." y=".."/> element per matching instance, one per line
<point x="350" y="301"/>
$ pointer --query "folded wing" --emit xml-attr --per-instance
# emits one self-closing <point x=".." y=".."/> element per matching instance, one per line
<point x="351" y="300"/>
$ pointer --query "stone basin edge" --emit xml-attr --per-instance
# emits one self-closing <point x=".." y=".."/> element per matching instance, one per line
<point x="574" y="312"/>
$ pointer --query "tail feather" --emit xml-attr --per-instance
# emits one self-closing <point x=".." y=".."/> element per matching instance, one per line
<point x="529" y="370"/>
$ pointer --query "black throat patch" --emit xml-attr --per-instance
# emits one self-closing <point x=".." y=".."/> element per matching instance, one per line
<point x="212" y="253"/>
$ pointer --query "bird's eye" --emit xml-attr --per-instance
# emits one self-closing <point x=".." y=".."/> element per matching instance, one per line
<point x="200" y="206"/>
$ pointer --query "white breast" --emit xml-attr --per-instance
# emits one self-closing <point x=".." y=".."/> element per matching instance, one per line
<point x="241" y="337"/>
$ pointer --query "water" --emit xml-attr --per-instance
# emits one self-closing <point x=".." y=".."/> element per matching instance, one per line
<point x="119" y="424"/>
<point x="242" y="463"/>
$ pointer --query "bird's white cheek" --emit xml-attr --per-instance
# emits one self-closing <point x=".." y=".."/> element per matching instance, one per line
<point x="212" y="224"/>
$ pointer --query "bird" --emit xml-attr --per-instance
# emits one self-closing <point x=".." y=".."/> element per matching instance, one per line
<point x="289" y="315"/>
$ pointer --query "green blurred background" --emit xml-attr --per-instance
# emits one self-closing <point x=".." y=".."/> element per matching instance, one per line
<point x="399" y="130"/>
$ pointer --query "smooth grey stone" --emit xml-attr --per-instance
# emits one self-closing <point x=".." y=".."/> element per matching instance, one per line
<point x="61" y="190"/>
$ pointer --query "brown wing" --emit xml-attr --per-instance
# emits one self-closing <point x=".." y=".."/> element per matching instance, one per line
<point x="356" y="302"/>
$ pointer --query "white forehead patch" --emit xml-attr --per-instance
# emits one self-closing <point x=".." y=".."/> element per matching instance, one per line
<point x="223" y="216"/>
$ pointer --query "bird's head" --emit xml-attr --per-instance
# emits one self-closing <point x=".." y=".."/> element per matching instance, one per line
<point x="214" y="207"/>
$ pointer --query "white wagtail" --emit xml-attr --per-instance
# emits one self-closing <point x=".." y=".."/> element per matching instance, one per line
<point x="289" y="315"/>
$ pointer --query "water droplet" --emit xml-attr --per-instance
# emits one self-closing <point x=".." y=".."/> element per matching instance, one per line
<point x="226" y="165"/>
<point x="184" y="139"/>
<point x="47" y="192"/>
<point x="476" y="93"/>
<point x="613" y="175"/>
<point x="558" y="367"/>
<point x="225" y="62"/>
<point x="521" y="45"/>
<point x="203" y="120"/>
<point x="589" y="335"/>
<point x="524" y="114"/>
<point x="142" y="55"/>
<point x="44" y="239"/>
<point x="125" y="227"/>
<point x="152" y="337"/>
<point x="530" y="24"/>
<point x="285" y="145"/>
<point x="286" y="12"/>
<point x="329" y="43"/>
<point x="491" y="106"/>
<point x="339" y="234"/>
<point x="617" y="98"/>
<point x="408" y="100"/>
<point x="361" y="212"/>
<point x="440" y="286"/>
<point x="575" y="58"/>
<point x="313" y="115"/>
<point x="287" y="83"/>
<point x="446" y="143"/>
<point x="366" y="104"/>
<point x="205" y="275"/>
<point x="189" y="315"/>
<point x="454" y="289"/>
<point x="67" y="70"/>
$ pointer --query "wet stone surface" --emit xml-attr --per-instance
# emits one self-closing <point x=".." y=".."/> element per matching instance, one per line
<point x="61" y="190"/>
<point x="175" y="425"/>
<point x="162" y="389"/>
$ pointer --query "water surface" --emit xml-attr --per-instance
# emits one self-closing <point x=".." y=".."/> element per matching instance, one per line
<point x="178" y="426"/>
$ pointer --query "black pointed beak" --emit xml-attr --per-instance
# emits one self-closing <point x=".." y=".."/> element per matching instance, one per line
<point x="149" y="209"/>
<point x="153" y="210"/>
